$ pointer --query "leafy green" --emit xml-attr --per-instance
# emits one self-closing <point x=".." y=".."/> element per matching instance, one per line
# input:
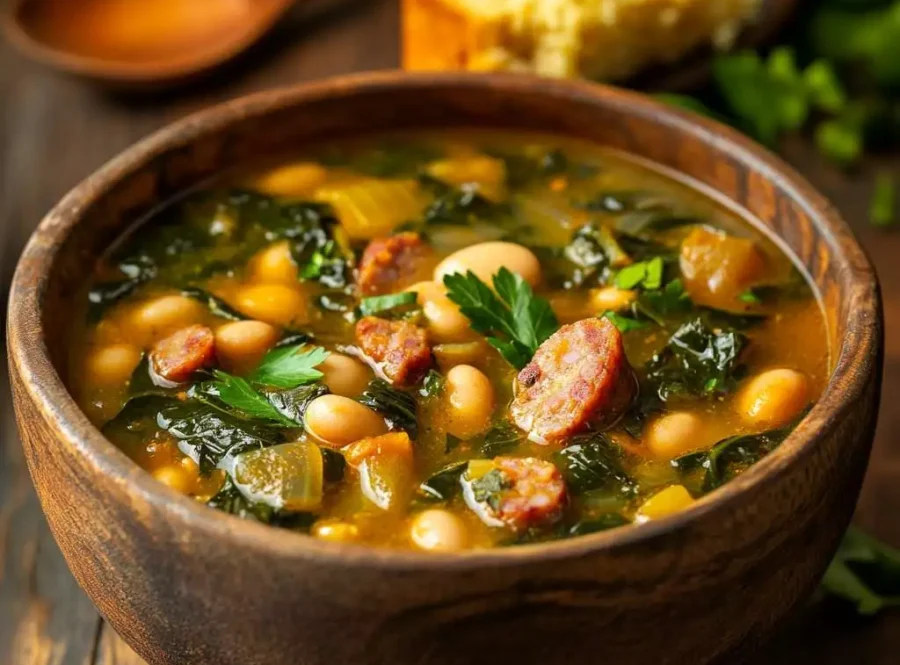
<point x="327" y="265"/>
<point x="378" y="304"/>
<point x="697" y="359"/>
<point x="237" y="393"/>
<point x="334" y="465"/>
<point x="883" y="206"/>
<point x="289" y="367"/>
<point x="501" y="438"/>
<point x="730" y="456"/>
<point x="230" y="500"/>
<point x="594" y="246"/>
<point x="624" y="323"/>
<point x="444" y="484"/>
<point x="292" y="403"/>
<point x="591" y="462"/>
<point x="489" y="488"/>
<point x="645" y="274"/>
<point x="660" y="303"/>
<point x="432" y="384"/>
<point x="522" y="319"/>
<point x="864" y="572"/>
<point x="210" y="435"/>
<point x="458" y="206"/>
<point x="396" y="406"/>
<point x="596" y="524"/>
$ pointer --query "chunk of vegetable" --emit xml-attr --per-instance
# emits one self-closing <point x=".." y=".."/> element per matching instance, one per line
<point x="385" y="466"/>
<point x="718" y="268"/>
<point x="664" y="503"/>
<point x="277" y="304"/>
<point x="487" y="173"/>
<point x="274" y="265"/>
<point x="288" y="476"/>
<point x="292" y="180"/>
<point x="373" y="207"/>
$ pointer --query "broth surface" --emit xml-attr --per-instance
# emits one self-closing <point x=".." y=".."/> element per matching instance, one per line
<point x="685" y="344"/>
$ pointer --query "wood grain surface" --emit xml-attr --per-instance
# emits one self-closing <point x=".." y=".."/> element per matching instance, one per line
<point x="54" y="132"/>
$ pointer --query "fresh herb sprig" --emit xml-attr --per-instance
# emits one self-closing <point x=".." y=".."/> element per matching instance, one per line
<point x="514" y="320"/>
<point x="288" y="367"/>
<point x="865" y="572"/>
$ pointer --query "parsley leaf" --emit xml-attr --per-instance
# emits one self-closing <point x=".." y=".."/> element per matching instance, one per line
<point x="624" y="323"/>
<point x="883" y="207"/>
<point x="288" y="367"/>
<point x="864" y="572"/>
<point x="515" y="321"/>
<point x="377" y="304"/>
<point x="645" y="274"/>
<point x="239" y="394"/>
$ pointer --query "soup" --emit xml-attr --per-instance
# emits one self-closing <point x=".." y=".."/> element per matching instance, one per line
<point x="448" y="341"/>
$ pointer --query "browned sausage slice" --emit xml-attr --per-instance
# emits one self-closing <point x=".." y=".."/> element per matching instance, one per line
<point x="532" y="494"/>
<point x="183" y="352"/>
<point x="394" y="263"/>
<point x="398" y="348"/>
<point x="579" y="376"/>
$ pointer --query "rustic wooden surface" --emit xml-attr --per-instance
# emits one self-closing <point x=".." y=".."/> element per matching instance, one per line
<point x="54" y="131"/>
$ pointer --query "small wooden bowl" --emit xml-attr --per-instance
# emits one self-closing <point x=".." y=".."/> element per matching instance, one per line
<point x="20" y="26"/>
<point x="185" y="584"/>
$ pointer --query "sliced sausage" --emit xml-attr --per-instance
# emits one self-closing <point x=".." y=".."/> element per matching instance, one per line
<point x="394" y="263"/>
<point x="183" y="352"/>
<point x="398" y="348"/>
<point x="533" y="493"/>
<point x="578" y="377"/>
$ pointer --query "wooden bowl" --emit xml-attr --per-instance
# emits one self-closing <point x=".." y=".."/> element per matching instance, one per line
<point x="22" y="26"/>
<point x="185" y="584"/>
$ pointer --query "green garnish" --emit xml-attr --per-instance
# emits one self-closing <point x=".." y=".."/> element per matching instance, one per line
<point x="750" y="297"/>
<point x="865" y="572"/>
<point x="288" y="367"/>
<point x="515" y="320"/>
<point x="378" y="304"/>
<point x="239" y="394"/>
<point x="432" y="384"/>
<point x="624" y="323"/>
<point x="883" y="206"/>
<point x="645" y="274"/>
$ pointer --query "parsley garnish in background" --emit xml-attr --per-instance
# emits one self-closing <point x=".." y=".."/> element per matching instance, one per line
<point x="865" y="572"/>
<point x="514" y="320"/>
<point x="838" y="80"/>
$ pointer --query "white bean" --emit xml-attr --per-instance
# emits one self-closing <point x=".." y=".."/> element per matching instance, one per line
<point x="486" y="259"/>
<point x="338" y="420"/>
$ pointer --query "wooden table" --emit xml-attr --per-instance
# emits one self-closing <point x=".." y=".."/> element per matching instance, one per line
<point x="56" y="131"/>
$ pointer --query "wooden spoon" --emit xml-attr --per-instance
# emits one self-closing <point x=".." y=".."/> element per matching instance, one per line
<point x="130" y="44"/>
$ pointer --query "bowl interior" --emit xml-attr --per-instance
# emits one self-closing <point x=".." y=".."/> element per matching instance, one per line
<point x="62" y="255"/>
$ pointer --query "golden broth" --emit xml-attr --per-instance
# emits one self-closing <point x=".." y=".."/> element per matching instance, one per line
<point x="537" y="192"/>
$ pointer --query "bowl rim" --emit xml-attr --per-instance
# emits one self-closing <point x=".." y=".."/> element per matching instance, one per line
<point x="43" y="386"/>
<point x="126" y="72"/>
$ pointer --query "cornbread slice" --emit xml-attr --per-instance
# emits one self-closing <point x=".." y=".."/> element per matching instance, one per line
<point x="597" y="39"/>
